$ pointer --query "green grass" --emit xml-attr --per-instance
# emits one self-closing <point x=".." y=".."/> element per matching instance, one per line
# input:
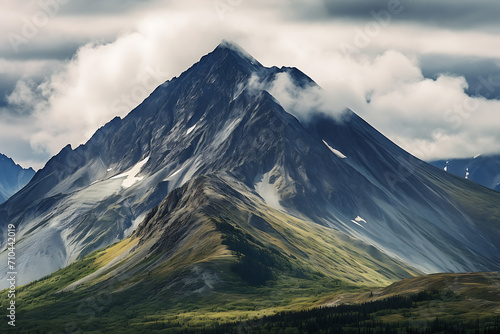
<point x="93" y="309"/>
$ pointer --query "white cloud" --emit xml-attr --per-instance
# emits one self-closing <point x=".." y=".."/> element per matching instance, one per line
<point x="430" y="118"/>
<point x="302" y="102"/>
<point x="24" y="95"/>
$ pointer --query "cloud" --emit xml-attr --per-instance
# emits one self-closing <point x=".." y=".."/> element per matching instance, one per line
<point x="431" y="118"/>
<point x="302" y="102"/>
<point x="14" y="73"/>
<point x="482" y="75"/>
<point x="42" y="50"/>
<point x="24" y="96"/>
<point x="97" y="7"/>
<point x="456" y="14"/>
<point x="74" y="102"/>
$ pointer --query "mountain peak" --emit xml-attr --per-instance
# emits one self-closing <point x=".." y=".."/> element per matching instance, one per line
<point x="228" y="63"/>
<point x="13" y="177"/>
<point x="7" y="160"/>
<point x="238" y="50"/>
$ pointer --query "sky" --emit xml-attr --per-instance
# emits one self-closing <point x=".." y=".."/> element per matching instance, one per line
<point x="425" y="73"/>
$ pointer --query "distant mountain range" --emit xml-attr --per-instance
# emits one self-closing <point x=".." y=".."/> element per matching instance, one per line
<point x="12" y="177"/>
<point x="484" y="170"/>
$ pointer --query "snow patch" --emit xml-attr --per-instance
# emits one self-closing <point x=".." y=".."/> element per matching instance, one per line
<point x="446" y="167"/>
<point x="359" y="219"/>
<point x="336" y="152"/>
<point x="131" y="175"/>
<point x="174" y="174"/>
<point x="109" y="169"/>
<point x="267" y="191"/>
<point x="467" y="173"/>
<point x="476" y="156"/>
<point x="190" y="129"/>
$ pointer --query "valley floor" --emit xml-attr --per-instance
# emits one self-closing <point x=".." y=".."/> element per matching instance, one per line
<point x="439" y="303"/>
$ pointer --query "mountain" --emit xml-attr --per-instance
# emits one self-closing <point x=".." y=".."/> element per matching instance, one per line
<point x="12" y="177"/>
<point x="338" y="174"/>
<point x="484" y="170"/>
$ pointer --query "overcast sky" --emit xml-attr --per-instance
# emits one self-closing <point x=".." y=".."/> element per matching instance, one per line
<point x="425" y="73"/>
